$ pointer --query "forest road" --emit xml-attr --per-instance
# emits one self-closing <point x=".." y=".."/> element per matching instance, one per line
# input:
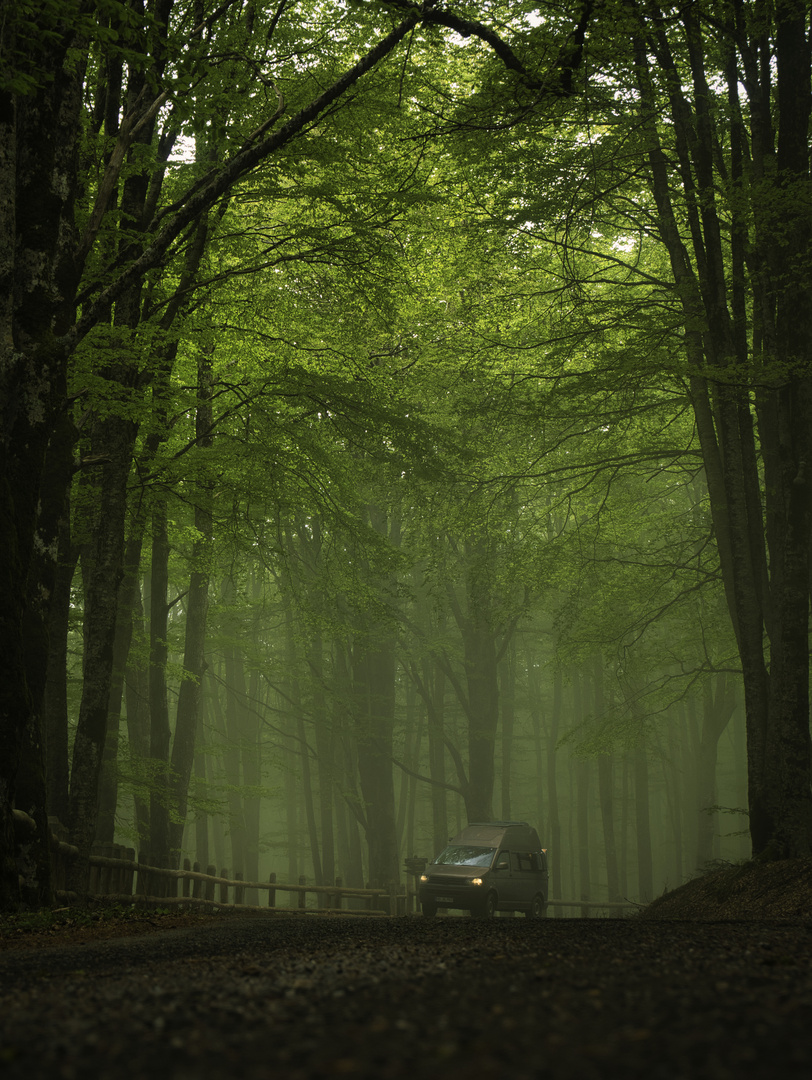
<point x="319" y="996"/>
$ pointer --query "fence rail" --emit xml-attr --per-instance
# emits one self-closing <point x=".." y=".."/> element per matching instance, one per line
<point x="118" y="875"/>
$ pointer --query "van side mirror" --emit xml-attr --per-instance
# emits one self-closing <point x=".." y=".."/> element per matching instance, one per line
<point x="503" y="864"/>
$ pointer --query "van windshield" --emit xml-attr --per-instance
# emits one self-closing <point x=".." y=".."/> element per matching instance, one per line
<point x="459" y="855"/>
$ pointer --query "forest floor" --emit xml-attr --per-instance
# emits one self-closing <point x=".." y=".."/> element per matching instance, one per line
<point x="714" y="980"/>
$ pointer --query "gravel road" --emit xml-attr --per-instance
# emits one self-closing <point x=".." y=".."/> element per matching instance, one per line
<point x="315" y="996"/>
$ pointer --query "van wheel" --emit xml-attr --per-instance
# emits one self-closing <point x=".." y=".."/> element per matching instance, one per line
<point x="429" y="910"/>
<point x="488" y="909"/>
<point x="537" y="909"/>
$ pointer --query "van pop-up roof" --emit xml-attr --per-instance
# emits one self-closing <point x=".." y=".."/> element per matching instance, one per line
<point x="514" y="835"/>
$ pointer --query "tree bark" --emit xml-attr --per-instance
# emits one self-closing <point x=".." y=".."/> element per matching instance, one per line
<point x="606" y="792"/>
<point x="507" y="699"/>
<point x="768" y="599"/>
<point x="642" y="815"/>
<point x="553" y="814"/>
<point x="187" y="718"/>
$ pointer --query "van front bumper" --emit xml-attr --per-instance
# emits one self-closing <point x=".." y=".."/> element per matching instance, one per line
<point x="443" y="894"/>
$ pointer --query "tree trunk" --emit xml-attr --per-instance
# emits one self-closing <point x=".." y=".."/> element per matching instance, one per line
<point x="374" y="694"/>
<point x="201" y="817"/>
<point x="582" y="778"/>
<point x="159" y="733"/>
<point x="553" y="815"/>
<point x="136" y="690"/>
<point x="434" y="679"/>
<point x="507" y="699"/>
<point x="55" y="700"/>
<point x="535" y="709"/>
<point x="115" y="440"/>
<point x="187" y="719"/>
<point x="718" y="704"/>
<point x="768" y="599"/>
<point x="229" y="728"/>
<point x="39" y="133"/>
<point x="129" y="590"/>
<point x="325" y="751"/>
<point x="642" y="813"/>
<point x="483" y="694"/>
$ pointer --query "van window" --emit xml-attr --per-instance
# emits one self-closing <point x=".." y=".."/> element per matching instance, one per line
<point x="521" y="861"/>
<point x="462" y="855"/>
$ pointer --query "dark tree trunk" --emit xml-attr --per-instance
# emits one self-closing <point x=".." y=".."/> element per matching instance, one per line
<point x="507" y="698"/>
<point x="187" y="720"/>
<point x="39" y="134"/>
<point x="101" y="601"/>
<point x="374" y="695"/>
<point x="556" y="863"/>
<point x="483" y="716"/>
<point x="606" y="792"/>
<point x="252" y="777"/>
<point x="582" y="785"/>
<point x="229" y="729"/>
<point x="642" y="814"/>
<point x="136" y="691"/>
<point x="718" y="703"/>
<point x="159" y="733"/>
<point x="129" y="591"/>
<point x="201" y="817"/>
<point x="349" y="811"/>
<point x="535" y="709"/>
<point x="55" y="701"/>
<point x="768" y="598"/>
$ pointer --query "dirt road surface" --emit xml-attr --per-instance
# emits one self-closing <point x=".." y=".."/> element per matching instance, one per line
<point x="291" y="998"/>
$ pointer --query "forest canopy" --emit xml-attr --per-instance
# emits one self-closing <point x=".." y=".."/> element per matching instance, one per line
<point x="405" y="422"/>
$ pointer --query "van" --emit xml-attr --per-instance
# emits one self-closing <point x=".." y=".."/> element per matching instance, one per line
<point x="490" y="866"/>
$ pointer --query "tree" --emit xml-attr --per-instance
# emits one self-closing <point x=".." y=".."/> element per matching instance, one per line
<point x="42" y="128"/>
<point x="694" y="135"/>
<point x="146" y="74"/>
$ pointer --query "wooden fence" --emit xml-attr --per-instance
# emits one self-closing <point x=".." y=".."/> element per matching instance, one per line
<point x="116" y="874"/>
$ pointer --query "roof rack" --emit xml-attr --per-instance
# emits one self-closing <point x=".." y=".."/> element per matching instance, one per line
<point x="499" y="823"/>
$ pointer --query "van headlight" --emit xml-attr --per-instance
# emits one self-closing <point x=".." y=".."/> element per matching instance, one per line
<point x="476" y="881"/>
<point x="424" y="878"/>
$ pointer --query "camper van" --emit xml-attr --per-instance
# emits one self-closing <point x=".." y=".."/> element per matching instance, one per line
<point x="490" y="866"/>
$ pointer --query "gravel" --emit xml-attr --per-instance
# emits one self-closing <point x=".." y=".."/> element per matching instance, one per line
<point x="318" y="996"/>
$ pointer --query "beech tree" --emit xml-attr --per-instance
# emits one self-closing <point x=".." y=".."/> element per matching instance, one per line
<point x="616" y="284"/>
<point x="134" y="78"/>
<point x="692" y="135"/>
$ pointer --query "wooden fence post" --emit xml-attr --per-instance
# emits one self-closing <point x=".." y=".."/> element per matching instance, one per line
<point x="105" y="872"/>
<point x="239" y="890"/>
<point x="187" y="865"/>
<point x="93" y="879"/>
<point x="196" y="882"/>
<point x="142" y="884"/>
<point x="272" y="891"/>
<point x="337" y="897"/>
<point x="393" y="898"/>
<point x="128" y="875"/>
<point x="224" y="888"/>
<point x="212" y="872"/>
<point x="121" y="873"/>
<point x="302" y="894"/>
<point x="116" y="852"/>
<point x="57" y="862"/>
